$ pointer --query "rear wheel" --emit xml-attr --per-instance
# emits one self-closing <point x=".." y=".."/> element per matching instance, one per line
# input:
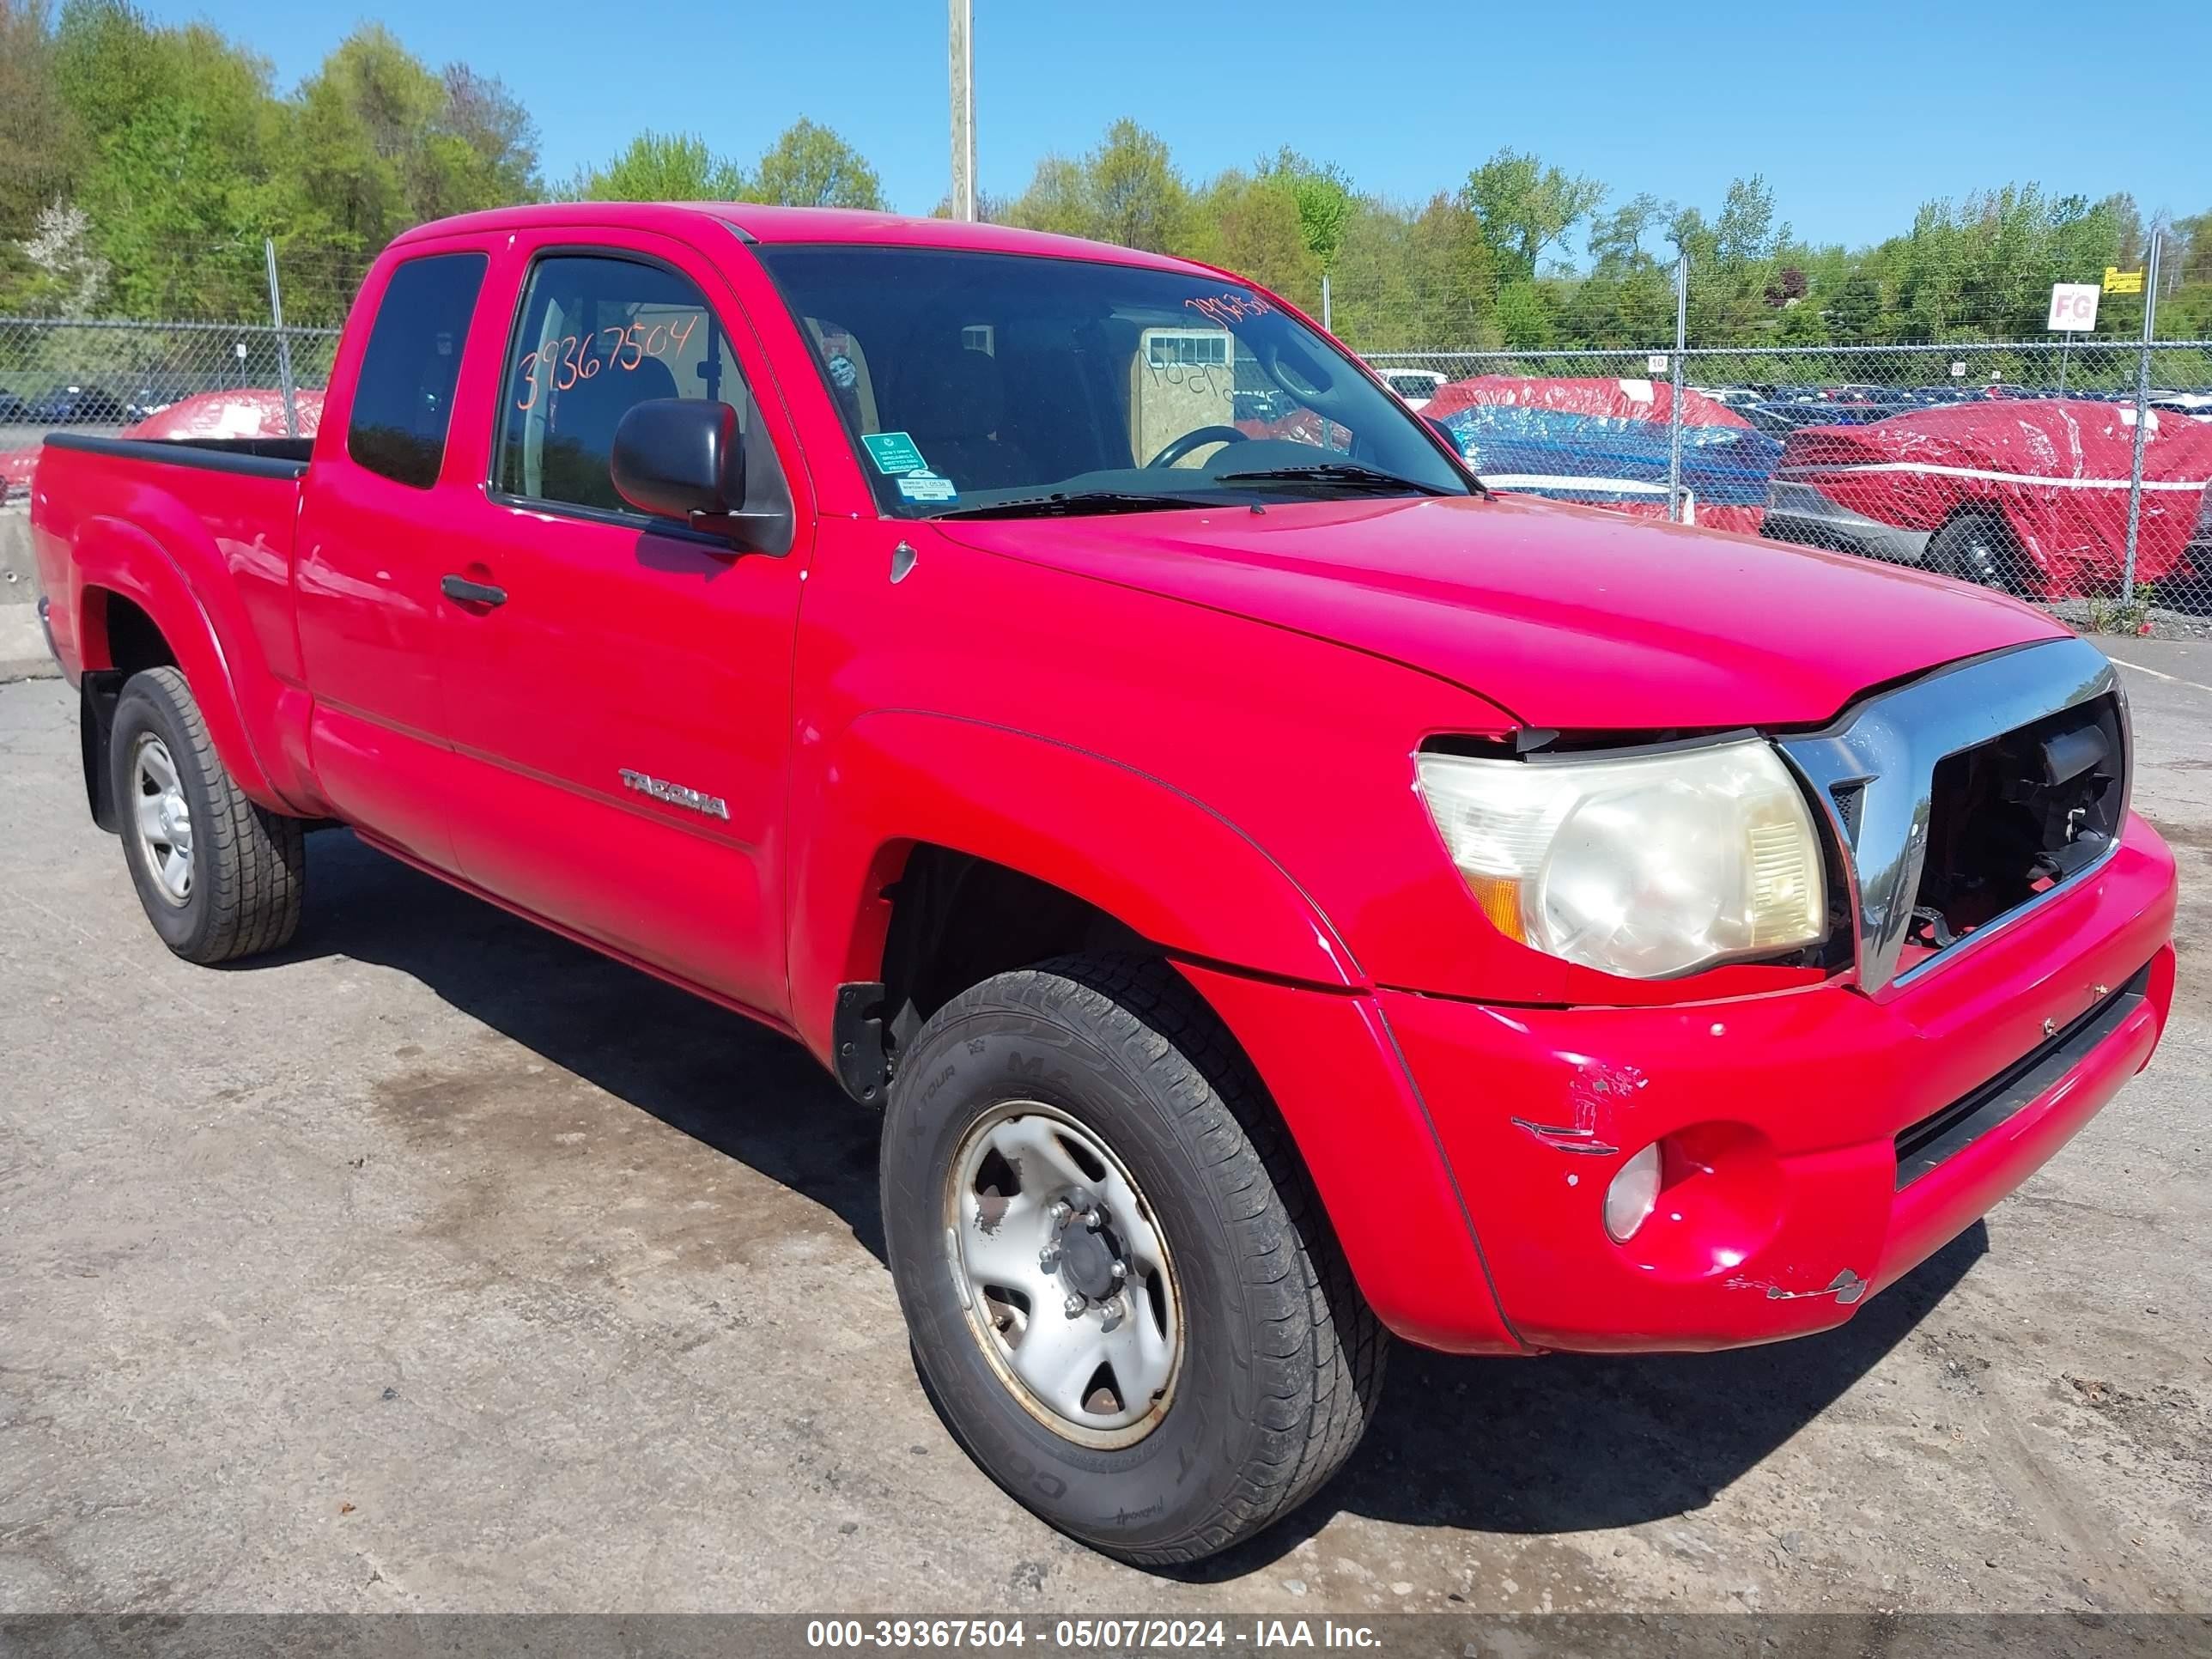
<point x="1976" y="547"/>
<point x="219" y="877"/>
<point x="1123" y="1292"/>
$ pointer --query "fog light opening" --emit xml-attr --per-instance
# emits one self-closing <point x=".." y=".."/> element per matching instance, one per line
<point x="1634" y="1193"/>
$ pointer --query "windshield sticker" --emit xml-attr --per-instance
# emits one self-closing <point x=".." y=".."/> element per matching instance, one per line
<point x="893" y="452"/>
<point x="1230" y="307"/>
<point x="925" y="486"/>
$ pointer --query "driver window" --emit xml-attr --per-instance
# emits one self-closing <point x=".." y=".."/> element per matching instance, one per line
<point x="599" y="335"/>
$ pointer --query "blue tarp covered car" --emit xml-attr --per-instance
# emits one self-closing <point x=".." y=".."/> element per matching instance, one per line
<point x="1616" y="461"/>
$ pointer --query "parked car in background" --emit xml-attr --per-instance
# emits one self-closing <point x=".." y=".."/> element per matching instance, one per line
<point x="1277" y="890"/>
<point x="14" y="411"/>
<point x="2029" y="495"/>
<point x="2194" y="405"/>
<point x="157" y="392"/>
<point x="78" y="405"/>
<point x="1780" y="417"/>
<point x="1415" y="386"/>
<point x="1610" y="443"/>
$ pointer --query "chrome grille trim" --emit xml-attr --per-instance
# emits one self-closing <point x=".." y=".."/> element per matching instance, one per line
<point x="1884" y="750"/>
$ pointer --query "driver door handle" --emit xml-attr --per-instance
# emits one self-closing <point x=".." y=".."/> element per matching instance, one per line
<point x="463" y="591"/>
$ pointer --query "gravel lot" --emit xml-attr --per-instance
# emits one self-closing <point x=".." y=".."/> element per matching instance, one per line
<point x="441" y="1265"/>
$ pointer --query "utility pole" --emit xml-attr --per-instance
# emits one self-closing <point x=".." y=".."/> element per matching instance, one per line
<point x="960" y="52"/>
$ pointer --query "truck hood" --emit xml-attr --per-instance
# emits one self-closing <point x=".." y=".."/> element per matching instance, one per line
<point x="1568" y="617"/>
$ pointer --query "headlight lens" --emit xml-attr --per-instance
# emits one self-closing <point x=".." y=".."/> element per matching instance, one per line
<point x="1646" y="866"/>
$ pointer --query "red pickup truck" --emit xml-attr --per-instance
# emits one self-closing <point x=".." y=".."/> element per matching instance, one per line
<point x="1279" y="892"/>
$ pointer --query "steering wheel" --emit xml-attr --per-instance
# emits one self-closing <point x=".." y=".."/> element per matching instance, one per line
<point x="1189" y="440"/>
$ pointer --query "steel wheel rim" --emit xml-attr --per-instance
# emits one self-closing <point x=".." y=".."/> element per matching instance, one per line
<point x="162" y="818"/>
<point x="1039" y="1211"/>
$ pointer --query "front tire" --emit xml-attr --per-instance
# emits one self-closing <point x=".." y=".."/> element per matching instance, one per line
<point x="219" y="877"/>
<point x="1077" y="1156"/>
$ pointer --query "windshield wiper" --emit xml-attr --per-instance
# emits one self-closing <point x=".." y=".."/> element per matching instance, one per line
<point x="1061" y="504"/>
<point x="1349" y="475"/>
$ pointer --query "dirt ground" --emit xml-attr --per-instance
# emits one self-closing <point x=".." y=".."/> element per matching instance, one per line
<point x="440" y="1264"/>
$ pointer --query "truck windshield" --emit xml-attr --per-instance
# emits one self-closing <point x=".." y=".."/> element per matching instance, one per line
<point x="1005" y="384"/>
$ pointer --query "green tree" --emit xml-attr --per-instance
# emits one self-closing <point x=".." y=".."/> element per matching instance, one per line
<point x="483" y="144"/>
<point x="1857" y="316"/>
<point x="1140" y="200"/>
<point x="1249" y="224"/>
<point x="1525" y="208"/>
<point x="1057" y="200"/>
<point x="1415" y="279"/>
<point x="39" y="136"/>
<point x="1801" y="325"/>
<point x="810" y="165"/>
<point x="379" y="142"/>
<point x="1524" y="317"/>
<point x="1127" y="190"/>
<point x="179" y="181"/>
<point x="1324" y="201"/>
<point x="661" y="167"/>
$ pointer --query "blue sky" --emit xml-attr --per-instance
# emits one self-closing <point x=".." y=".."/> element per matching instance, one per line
<point x="1855" y="114"/>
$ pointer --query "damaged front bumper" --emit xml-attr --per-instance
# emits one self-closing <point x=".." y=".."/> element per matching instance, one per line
<point x="1818" y="1144"/>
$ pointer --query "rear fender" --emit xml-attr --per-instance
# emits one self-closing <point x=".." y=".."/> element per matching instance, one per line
<point x="109" y="556"/>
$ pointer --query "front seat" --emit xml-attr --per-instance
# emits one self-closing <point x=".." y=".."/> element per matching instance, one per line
<point x="955" y="423"/>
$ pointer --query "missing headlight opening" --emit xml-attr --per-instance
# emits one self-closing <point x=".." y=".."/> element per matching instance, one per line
<point x="2012" y="817"/>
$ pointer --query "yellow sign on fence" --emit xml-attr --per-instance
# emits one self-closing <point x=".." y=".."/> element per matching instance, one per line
<point x="2123" y="281"/>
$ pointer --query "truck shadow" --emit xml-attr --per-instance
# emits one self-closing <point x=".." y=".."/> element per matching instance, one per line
<point x="1581" y="1444"/>
<point x="734" y="1086"/>
<point x="1565" y="1445"/>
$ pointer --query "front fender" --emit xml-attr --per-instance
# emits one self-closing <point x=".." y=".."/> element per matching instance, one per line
<point x="1164" y="864"/>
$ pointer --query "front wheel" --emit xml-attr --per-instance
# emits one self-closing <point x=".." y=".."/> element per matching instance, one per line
<point x="1121" y="1290"/>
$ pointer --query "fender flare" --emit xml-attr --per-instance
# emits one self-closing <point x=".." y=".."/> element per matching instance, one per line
<point x="111" y="554"/>
<point x="1163" y="863"/>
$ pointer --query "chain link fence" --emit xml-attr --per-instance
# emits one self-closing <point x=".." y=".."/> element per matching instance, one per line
<point x="165" y="379"/>
<point x="2078" y="474"/>
<point x="2074" y="473"/>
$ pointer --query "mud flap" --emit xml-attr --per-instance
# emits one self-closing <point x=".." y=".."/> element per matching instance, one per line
<point x="97" y="692"/>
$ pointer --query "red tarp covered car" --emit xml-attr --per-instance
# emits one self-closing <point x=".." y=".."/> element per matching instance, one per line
<point x="247" y="412"/>
<point x="2031" y="496"/>
<point x="1625" y="400"/>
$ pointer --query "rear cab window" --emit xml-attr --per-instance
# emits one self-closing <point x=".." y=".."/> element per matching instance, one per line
<point x="402" y="399"/>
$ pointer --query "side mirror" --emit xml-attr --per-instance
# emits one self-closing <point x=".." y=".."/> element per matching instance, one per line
<point x="673" y="457"/>
<point x="684" y="458"/>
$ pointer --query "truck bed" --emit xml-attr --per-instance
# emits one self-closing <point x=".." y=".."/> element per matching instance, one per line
<point x="222" y="513"/>
<point x="267" y="458"/>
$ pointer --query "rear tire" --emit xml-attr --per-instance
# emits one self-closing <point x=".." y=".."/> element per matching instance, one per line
<point x="1128" y="1094"/>
<point x="219" y="877"/>
<point x="1978" y="548"/>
